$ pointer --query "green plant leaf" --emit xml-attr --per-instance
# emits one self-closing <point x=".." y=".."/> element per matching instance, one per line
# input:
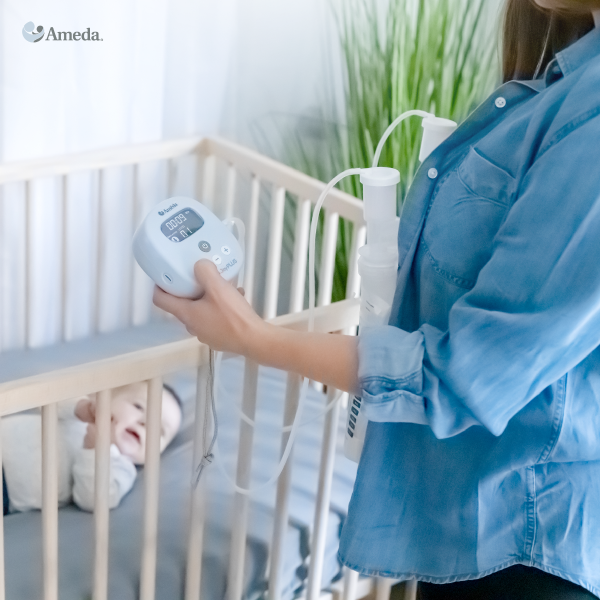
<point x="434" y="55"/>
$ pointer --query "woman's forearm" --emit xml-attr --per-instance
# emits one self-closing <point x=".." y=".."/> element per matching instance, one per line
<point x="329" y="358"/>
<point x="222" y="319"/>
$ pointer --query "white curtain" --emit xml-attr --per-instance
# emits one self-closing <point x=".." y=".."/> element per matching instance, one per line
<point x="159" y="72"/>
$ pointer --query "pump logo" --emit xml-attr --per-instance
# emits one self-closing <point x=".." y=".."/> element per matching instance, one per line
<point x="34" y="34"/>
<point x="228" y="266"/>
<point x="166" y="210"/>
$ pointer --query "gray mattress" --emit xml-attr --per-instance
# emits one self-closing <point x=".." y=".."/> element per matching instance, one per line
<point x="23" y="530"/>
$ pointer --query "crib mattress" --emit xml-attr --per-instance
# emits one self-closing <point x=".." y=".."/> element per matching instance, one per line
<point x="23" y="530"/>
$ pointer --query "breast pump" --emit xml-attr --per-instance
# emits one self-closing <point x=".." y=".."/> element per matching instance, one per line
<point x="378" y="258"/>
<point x="167" y="247"/>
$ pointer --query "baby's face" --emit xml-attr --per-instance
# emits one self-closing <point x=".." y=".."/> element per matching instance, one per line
<point x="128" y="407"/>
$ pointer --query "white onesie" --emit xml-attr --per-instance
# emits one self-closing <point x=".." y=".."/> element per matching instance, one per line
<point x="22" y="462"/>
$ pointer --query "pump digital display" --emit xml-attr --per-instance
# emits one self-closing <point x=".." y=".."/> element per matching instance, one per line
<point x="180" y="226"/>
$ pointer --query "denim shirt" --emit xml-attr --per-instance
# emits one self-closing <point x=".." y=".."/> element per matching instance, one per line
<point x="483" y="393"/>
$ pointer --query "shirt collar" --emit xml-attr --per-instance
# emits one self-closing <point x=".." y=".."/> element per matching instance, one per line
<point x="579" y="53"/>
<point x="567" y="61"/>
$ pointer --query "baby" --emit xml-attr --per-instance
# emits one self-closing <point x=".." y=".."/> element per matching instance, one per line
<point x="22" y="450"/>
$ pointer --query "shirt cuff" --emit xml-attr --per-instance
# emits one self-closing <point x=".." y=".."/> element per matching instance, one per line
<point x="390" y="373"/>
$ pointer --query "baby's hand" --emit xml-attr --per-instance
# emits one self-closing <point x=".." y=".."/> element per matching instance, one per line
<point x="85" y="411"/>
<point x="89" y="441"/>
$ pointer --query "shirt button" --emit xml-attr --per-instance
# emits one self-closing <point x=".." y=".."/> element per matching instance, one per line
<point x="432" y="173"/>
<point x="500" y="102"/>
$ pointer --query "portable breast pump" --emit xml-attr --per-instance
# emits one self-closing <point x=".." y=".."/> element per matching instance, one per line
<point x="175" y="235"/>
<point x="180" y="231"/>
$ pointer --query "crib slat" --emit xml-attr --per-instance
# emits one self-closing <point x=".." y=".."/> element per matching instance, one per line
<point x="50" y="500"/>
<point x="300" y="255"/>
<point x="251" y="239"/>
<point x="63" y="261"/>
<point x="101" y="490"/>
<point x="99" y="256"/>
<point x="209" y="179"/>
<point x="383" y="587"/>
<point x="193" y="572"/>
<point x="410" y="589"/>
<point x="230" y="197"/>
<point x="235" y="580"/>
<point x="28" y="265"/>
<point x="350" y="584"/>
<point x="359" y="237"/>
<point x="315" y="572"/>
<point x="171" y="176"/>
<point x="274" y="256"/>
<point x="135" y="217"/>
<point x="2" y="587"/>
<point x="328" y="258"/>
<point x="151" y="489"/>
<point x="292" y="397"/>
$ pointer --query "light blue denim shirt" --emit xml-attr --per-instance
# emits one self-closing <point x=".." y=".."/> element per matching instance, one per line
<point x="483" y="449"/>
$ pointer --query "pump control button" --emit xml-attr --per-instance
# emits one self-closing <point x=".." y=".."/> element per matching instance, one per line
<point x="225" y="250"/>
<point x="167" y="278"/>
<point x="500" y="102"/>
<point x="204" y="246"/>
<point x="216" y="259"/>
<point x="432" y="173"/>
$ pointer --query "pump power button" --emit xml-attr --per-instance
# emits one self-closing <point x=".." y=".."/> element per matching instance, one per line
<point x="204" y="246"/>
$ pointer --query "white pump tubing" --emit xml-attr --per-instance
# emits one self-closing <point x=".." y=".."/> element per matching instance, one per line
<point x="395" y="123"/>
<point x="311" y="325"/>
<point x="313" y="239"/>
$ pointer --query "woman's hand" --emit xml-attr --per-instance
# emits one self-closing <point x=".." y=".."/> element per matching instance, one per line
<point x="221" y="318"/>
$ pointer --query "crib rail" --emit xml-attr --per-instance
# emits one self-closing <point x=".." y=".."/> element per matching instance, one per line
<point x="143" y="365"/>
<point x="232" y="181"/>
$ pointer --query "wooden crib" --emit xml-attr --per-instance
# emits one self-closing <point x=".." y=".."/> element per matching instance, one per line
<point x="232" y="181"/>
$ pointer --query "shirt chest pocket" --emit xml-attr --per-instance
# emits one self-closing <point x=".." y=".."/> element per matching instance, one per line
<point x="466" y="213"/>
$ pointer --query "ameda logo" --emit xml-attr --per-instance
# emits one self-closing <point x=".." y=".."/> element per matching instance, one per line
<point x="34" y="34"/>
<point x="166" y="210"/>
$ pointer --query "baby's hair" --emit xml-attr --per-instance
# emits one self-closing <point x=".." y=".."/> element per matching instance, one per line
<point x="175" y="395"/>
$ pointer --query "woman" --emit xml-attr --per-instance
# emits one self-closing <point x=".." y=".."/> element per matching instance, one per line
<point x="480" y="474"/>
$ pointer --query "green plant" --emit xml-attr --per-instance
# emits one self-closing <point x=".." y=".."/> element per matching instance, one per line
<point x="436" y="55"/>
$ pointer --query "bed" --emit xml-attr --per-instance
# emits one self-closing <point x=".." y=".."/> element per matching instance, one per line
<point x="166" y="541"/>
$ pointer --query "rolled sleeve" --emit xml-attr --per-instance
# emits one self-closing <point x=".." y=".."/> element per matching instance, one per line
<point x="391" y="374"/>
